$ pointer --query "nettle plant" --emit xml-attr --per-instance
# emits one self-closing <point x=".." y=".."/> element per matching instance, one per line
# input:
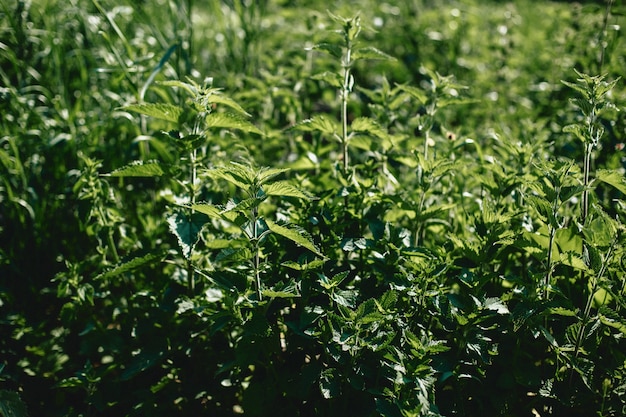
<point x="195" y="123"/>
<point x="576" y="303"/>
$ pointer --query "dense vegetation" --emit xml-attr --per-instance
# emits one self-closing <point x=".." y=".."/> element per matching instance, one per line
<point x="273" y="209"/>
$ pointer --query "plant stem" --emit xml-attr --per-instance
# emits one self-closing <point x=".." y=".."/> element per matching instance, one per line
<point x="345" y="91"/>
<point x="609" y="3"/>
<point x="548" y="278"/>
<point x="586" y="174"/>
<point x="255" y="248"/>
<point x="192" y="191"/>
<point x="190" y="36"/>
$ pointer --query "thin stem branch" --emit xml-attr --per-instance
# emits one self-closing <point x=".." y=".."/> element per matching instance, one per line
<point x="603" y="34"/>
<point x="345" y="92"/>
<point x="586" y="176"/>
<point x="255" y="247"/>
<point x="192" y="191"/>
<point x="548" y="277"/>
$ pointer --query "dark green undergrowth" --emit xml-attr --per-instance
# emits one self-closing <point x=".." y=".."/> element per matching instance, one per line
<point x="275" y="209"/>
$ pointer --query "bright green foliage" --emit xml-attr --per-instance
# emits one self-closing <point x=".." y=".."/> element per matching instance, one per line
<point x="274" y="209"/>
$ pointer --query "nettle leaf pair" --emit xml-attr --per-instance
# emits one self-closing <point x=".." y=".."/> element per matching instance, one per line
<point x="257" y="186"/>
<point x="194" y="122"/>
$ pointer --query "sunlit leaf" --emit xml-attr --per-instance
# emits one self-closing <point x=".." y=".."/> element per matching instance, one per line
<point x="333" y="79"/>
<point x="230" y="121"/>
<point x="285" y="189"/>
<point x="161" y="111"/>
<point x="329" y="384"/>
<point x="496" y="305"/>
<point x="418" y="94"/>
<point x="223" y="100"/>
<point x="208" y="209"/>
<point x="370" y="52"/>
<point x="366" y="125"/>
<point x="612" y="319"/>
<point x="294" y="234"/>
<point x="318" y="123"/>
<point x="331" y="48"/>
<point x="186" y="228"/>
<point x="613" y="178"/>
<point x="130" y="264"/>
<point x="139" y="169"/>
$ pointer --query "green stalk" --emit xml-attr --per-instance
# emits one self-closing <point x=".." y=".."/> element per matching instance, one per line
<point x="190" y="38"/>
<point x="255" y="247"/>
<point x="345" y="91"/>
<point x="607" y="13"/>
<point x="548" y="277"/>
<point x="586" y="175"/>
<point x="192" y="191"/>
<point x="553" y="229"/>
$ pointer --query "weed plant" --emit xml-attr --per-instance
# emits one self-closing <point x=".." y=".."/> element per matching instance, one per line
<point x="270" y="208"/>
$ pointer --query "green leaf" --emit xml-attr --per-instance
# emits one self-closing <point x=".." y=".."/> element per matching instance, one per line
<point x="238" y="175"/>
<point x="295" y="235"/>
<point x="157" y="69"/>
<point x="580" y="88"/>
<point x="333" y="79"/>
<point x="225" y="243"/>
<point x="369" y="52"/>
<point x="161" y="111"/>
<point x="577" y="131"/>
<point x="612" y="178"/>
<point x="612" y="319"/>
<point x="282" y="291"/>
<point x="186" y="228"/>
<point x="278" y="294"/>
<point x="334" y="281"/>
<point x="574" y="260"/>
<point x="318" y="123"/>
<point x="231" y="121"/>
<point x="265" y="174"/>
<point x="208" y="209"/>
<point x="130" y="264"/>
<point x="561" y="311"/>
<point x="329" y="384"/>
<point x="331" y="48"/>
<point x="184" y="143"/>
<point x="497" y="305"/>
<point x="234" y="255"/>
<point x="414" y="92"/>
<point x="192" y="89"/>
<point x="602" y="229"/>
<point x="367" y="312"/>
<point x="139" y="169"/>
<point x="387" y="300"/>
<point x="140" y="363"/>
<point x="366" y="125"/>
<point x="285" y="189"/>
<point x="303" y="266"/>
<point x="226" y="101"/>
